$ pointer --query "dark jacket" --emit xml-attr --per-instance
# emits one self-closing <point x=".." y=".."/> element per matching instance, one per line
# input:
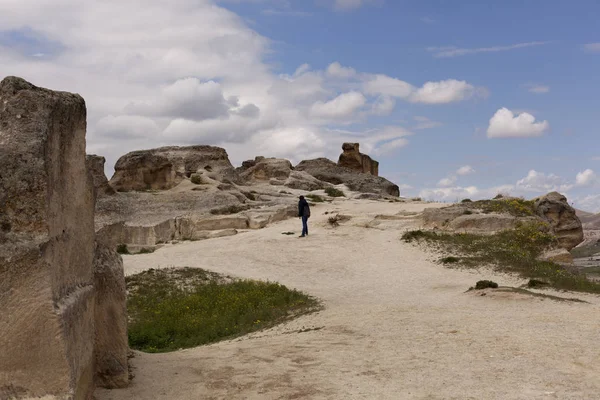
<point x="303" y="208"/>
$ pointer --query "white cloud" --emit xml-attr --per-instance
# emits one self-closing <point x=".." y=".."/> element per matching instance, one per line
<point x="186" y="98"/>
<point x="590" y="203"/>
<point x="384" y="105"/>
<point x="538" y="89"/>
<point x="592" y="47"/>
<point x="539" y="182"/>
<point x="336" y="70"/>
<point x="586" y="178"/>
<point x="451" y="51"/>
<point x="505" y="124"/>
<point x="388" y="86"/>
<point x="442" y="92"/>
<point x="343" y="106"/>
<point x="127" y="127"/>
<point x="465" y="170"/>
<point x="447" y="181"/>
<point x="425" y="123"/>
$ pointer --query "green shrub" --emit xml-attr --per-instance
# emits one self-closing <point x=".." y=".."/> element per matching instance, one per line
<point x="449" y="260"/>
<point x="314" y="198"/>
<point x="466" y="201"/>
<point x="485" y="284"/>
<point x="196" y="179"/>
<point x="174" y="309"/>
<point x="333" y="192"/>
<point x="122" y="249"/>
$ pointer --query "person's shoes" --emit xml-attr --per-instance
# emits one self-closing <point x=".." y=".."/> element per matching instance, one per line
<point x="301" y="236"/>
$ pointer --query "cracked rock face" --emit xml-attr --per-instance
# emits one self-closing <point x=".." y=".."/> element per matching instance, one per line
<point x="554" y="209"/>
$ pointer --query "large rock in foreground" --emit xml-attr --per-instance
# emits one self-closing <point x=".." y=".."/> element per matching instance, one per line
<point x="353" y="159"/>
<point x="264" y="169"/>
<point x="554" y="209"/>
<point x="328" y="171"/>
<point x="46" y="245"/>
<point x="165" y="167"/>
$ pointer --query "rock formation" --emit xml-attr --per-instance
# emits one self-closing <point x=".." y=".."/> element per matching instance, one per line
<point x="554" y="209"/>
<point x="328" y="171"/>
<point x="48" y="291"/>
<point x="164" y="168"/>
<point x="353" y="159"/>
<point x="265" y="169"/>
<point x="551" y="209"/>
<point x="95" y="165"/>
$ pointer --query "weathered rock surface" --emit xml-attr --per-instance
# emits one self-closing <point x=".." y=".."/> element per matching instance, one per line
<point x="328" y="171"/>
<point x="111" y="345"/>
<point x="265" y="169"/>
<point x="47" y="245"/>
<point x="459" y="218"/>
<point x="164" y="168"/>
<point x="95" y="165"/>
<point x="304" y="181"/>
<point x="353" y="159"/>
<point x="554" y="209"/>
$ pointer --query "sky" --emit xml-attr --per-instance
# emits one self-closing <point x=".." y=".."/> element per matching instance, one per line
<point x="456" y="99"/>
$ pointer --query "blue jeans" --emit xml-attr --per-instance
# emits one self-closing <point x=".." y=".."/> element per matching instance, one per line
<point x="304" y="226"/>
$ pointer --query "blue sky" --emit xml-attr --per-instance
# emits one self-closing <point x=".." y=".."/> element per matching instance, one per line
<point x="454" y="98"/>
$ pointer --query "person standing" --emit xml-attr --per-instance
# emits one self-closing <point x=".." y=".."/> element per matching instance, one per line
<point x="304" y="213"/>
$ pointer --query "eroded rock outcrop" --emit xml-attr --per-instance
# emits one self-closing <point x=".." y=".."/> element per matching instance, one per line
<point x="353" y="159"/>
<point x="165" y="167"/>
<point x="47" y="247"/>
<point x="328" y="171"/>
<point x="48" y="287"/>
<point x="265" y="169"/>
<point x="95" y="165"/>
<point x="554" y="209"/>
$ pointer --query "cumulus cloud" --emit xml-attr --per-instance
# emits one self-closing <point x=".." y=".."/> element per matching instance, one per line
<point x="384" y="105"/>
<point x="586" y="178"/>
<point x="505" y="124"/>
<point x="186" y="98"/>
<point x="388" y="86"/>
<point x="447" y="181"/>
<point x="343" y="106"/>
<point x="336" y="70"/>
<point x="127" y="127"/>
<point x="442" y="92"/>
<point x="465" y="170"/>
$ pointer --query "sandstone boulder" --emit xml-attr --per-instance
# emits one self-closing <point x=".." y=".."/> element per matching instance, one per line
<point x="111" y="347"/>
<point x="95" y="165"/>
<point x="566" y="226"/>
<point x="353" y="159"/>
<point x="265" y="169"/>
<point x="328" y="171"/>
<point x="165" y="167"/>
<point x="47" y="290"/>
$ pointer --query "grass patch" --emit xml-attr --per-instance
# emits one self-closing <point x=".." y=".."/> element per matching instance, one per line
<point x="513" y="206"/>
<point x="333" y="192"/>
<point x="233" y="209"/>
<point x="450" y="260"/>
<point x="511" y="251"/>
<point x="196" y="179"/>
<point x="122" y="249"/>
<point x="170" y="309"/>
<point x="314" y="198"/>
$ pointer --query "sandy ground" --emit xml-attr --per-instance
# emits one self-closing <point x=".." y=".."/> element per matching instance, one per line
<point x="396" y="325"/>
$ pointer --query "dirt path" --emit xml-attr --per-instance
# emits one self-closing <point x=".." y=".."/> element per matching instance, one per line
<point x="396" y="325"/>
